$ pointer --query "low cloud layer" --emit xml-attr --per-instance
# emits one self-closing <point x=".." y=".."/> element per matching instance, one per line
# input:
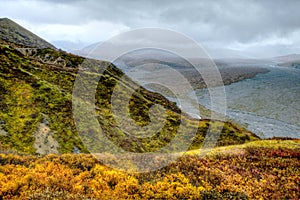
<point x="257" y="28"/>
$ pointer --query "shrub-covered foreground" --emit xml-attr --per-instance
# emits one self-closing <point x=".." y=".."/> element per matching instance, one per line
<point x="252" y="173"/>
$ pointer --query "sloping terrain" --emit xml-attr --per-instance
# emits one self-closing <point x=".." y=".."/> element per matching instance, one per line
<point x="267" y="169"/>
<point x="36" y="92"/>
<point x="13" y="32"/>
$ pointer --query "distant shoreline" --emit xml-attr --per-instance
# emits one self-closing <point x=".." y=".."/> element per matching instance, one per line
<point x="257" y="106"/>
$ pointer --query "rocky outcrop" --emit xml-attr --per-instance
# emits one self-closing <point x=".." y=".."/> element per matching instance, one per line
<point x="44" y="140"/>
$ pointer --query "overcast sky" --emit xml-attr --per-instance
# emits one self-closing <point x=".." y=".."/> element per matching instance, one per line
<point x="257" y="28"/>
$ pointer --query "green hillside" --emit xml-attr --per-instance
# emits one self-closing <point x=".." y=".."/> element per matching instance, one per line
<point x="36" y="106"/>
<point x="13" y="32"/>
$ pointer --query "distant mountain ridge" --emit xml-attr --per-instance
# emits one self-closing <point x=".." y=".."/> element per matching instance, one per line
<point x="13" y="32"/>
<point x="289" y="60"/>
<point x="287" y="57"/>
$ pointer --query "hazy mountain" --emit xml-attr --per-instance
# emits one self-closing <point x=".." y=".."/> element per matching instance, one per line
<point x="87" y="50"/>
<point x="290" y="60"/>
<point x="154" y="61"/>
<point x="69" y="46"/>
<point x="227" y="53"/>
<point x="13" y="32"/>
<point x="286" y="58"/>
<point x="215" y="53"/>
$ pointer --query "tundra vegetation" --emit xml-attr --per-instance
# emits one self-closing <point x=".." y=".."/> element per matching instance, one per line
<point x="42" y="155"/>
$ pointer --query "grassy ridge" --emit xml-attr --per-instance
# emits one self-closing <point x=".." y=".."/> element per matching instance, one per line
<point x="13" y="32"/>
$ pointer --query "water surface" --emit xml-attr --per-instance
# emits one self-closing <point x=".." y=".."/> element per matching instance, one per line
<point x="268" y="104"/>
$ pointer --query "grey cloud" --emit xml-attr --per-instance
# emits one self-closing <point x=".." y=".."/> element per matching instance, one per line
<point x="240" y="20"/>
<point x="220" y="22"/>
<point x="224" y="20"/>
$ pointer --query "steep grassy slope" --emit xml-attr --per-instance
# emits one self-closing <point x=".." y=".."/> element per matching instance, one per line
<point x="13" y="32"/>
<point x="36" y="107"/>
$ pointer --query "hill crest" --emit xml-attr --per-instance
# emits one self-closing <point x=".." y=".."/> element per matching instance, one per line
<point x="12" y="32"/>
